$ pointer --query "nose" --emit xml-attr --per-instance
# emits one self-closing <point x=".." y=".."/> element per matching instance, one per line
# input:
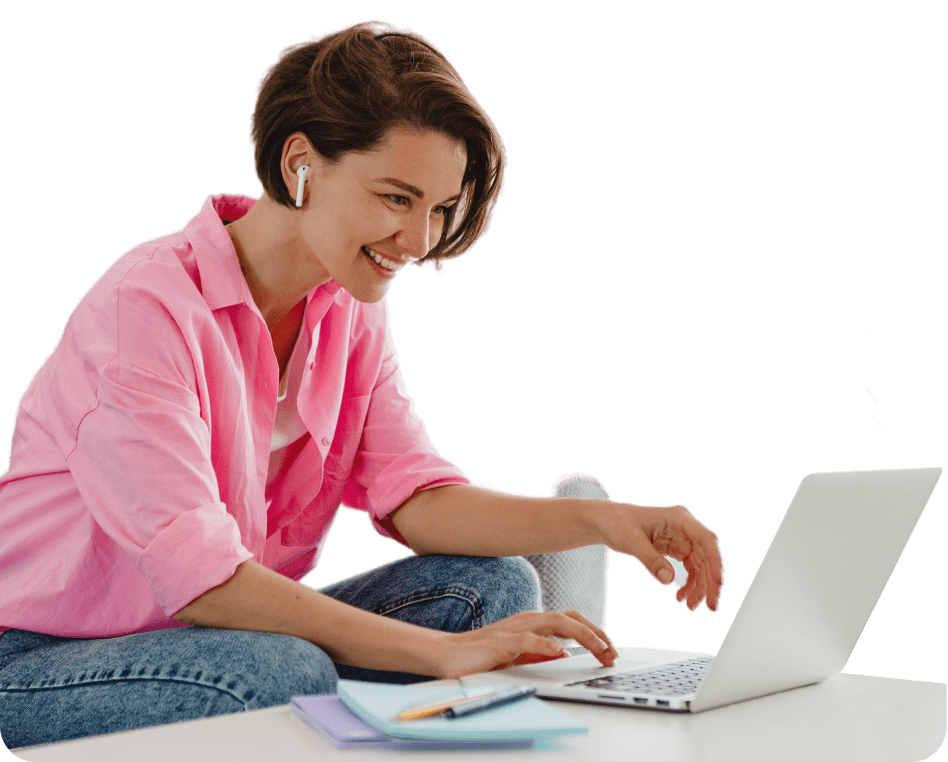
<point x="415" y="237"/>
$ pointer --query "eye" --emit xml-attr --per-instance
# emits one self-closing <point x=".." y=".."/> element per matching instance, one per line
<point x="438" y="211"/>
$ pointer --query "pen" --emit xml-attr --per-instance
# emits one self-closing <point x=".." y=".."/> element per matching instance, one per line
<point x="489" y="702"/>
<point x="430" y="710"/>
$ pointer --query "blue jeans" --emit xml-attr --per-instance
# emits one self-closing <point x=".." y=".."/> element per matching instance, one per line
<point x="54" y="688"/>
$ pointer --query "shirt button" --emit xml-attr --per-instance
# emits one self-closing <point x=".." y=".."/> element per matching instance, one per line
<point x="326" y="441"/>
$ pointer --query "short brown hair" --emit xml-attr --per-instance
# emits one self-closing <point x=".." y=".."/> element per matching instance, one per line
<point x="346" y="91"/>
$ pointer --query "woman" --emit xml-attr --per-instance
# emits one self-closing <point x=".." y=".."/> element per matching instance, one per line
<point x="220" y="391"/>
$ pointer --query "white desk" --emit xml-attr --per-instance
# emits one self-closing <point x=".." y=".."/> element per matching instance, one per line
<point x="850" y="717"/>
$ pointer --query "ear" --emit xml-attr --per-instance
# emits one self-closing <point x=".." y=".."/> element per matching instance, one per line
<point x="297" y="152"/>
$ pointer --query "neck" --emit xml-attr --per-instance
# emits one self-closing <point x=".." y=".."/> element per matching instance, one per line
<point x="274" y="258"/>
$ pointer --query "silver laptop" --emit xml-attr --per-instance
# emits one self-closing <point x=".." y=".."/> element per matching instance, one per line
<point x="801" y="618"/>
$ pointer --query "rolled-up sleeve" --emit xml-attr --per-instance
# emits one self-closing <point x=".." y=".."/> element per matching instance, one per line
<point x="395" y="457"/>
<point x="142" y="465"/>
<point x="142" y="457"/>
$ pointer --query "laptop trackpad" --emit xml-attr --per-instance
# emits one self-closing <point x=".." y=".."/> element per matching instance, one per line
<point x="582" y="666"/>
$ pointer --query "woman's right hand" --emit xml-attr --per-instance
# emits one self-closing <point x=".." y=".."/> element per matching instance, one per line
<point x="523" y="638"/>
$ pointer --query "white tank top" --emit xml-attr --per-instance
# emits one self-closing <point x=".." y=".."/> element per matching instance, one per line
<point x="288" y="426"/>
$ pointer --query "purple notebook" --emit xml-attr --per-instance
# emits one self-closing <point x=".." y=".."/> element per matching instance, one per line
<point x="334" y="721"/>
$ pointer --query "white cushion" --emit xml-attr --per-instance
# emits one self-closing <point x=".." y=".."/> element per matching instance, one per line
<point x="575" y="579"/>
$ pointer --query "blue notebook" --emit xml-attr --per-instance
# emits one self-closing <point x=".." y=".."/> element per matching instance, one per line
<point x="529" y="719"/>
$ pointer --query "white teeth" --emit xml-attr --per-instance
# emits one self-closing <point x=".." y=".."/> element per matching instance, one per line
<point x="380" y="259"/>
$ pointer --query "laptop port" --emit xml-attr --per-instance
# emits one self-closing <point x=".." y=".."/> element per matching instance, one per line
<point x="638" y="700"/>
<point x="611" y="698"/>
<point x="662" y="702"/>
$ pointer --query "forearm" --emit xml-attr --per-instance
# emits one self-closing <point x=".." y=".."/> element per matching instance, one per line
<point x="257" y="598"/>
<point x="464" y="520"/>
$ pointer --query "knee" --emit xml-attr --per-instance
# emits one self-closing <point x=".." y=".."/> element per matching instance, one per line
<point x="282" y="666"/>
<point x="510" y="585"/>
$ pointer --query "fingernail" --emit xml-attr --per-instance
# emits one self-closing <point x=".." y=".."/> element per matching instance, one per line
<point x="665" y="576"/>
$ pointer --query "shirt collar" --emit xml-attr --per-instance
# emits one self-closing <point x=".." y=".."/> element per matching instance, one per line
<point x="222" y="282"/>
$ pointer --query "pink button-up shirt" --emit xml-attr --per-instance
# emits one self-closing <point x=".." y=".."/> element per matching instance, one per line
<point x="138" y="477"/>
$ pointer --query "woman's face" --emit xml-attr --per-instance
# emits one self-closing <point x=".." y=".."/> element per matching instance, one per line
<point x="388" y="204"/>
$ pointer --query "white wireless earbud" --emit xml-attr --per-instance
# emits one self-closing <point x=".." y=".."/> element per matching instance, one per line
<point x="301" y="173"/>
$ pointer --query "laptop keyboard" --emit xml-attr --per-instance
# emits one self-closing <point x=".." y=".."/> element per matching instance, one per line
<point x="675" y="679"/>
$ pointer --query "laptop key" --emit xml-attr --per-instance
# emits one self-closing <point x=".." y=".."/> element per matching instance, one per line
<point x="671" y="680"/>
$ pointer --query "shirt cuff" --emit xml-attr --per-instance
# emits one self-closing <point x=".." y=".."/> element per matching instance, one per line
<point x="416" y="472"/>
<point x="385" y="525"/>
<point x="199" y="550"/>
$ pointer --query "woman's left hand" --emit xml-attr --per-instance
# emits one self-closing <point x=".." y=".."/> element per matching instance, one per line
<point x="651" y="534"/>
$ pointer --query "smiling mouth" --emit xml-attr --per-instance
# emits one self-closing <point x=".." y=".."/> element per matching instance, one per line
<point x="380" y="260"/>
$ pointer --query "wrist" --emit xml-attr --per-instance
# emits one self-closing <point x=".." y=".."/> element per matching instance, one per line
<point x="606" y="518"/>
<point x="598" y="518"/>
<point x="436" y="654"/>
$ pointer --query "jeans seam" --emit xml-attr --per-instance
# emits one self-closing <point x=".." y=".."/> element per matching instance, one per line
<point x="468" y="596"/>
<point x="227" y="691"/>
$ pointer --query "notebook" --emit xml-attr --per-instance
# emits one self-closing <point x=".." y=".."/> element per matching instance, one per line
<point x="526" y="720"/>
<point x="823" y="574"/>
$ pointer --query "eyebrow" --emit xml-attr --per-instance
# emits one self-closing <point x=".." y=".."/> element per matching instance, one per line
<point x="411" y="188"/>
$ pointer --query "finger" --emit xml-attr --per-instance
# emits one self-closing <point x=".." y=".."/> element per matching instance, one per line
<point x="540" y="649"/>
<point x="691" y="580"/>
<point x="669" y="531"/>
<point x="704" y="540"/>
<point x="712" y="585"/>
<point x="704" y="587"/>
<point x="718" y="575"/>
<point x="610" y="653"/>
<point x="712" y="588"/>
<point x="533" y="645"/>
<point x="528" y="648"/>
<point x="682" y="592"/>
<point x="708" y="542"/>
<point x="529" y="658"/>
<point x="688" y="539"/>
<point x="701" y="589"/>
<point x="718" y="591"/>
<point x="701" y="581"/>
<point x="704" y="582"/>
<point x="696" y="587"/>
<point x="651" y="559"/>
<point x="575" y="626"/>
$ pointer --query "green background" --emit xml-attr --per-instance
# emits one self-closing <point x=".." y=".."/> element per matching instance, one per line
<point x="707" y="206"/>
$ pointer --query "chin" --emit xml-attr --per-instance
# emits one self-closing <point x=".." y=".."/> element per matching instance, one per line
<point x="367" y="294"/>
